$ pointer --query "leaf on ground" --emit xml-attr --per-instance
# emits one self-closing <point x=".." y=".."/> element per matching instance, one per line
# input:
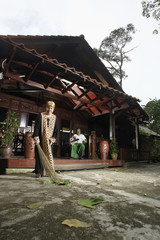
<point x="47" y="182"/>
<point x="90" y="202"/>
<point x="66" y="182"/>
<point x="44" y="181"/>
<point x="34" y="205"/>
<point x="75" y="223"/>
<point x="40" y="180"/>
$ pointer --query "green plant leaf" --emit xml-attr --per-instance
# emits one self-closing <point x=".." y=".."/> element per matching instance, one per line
<point x="89" y="202"/>
<point x="66" y="182"/>
<point x="155" y="31"/>
<point x="47" y="182"/>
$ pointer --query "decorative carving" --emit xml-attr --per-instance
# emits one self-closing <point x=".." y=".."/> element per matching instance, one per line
<point x="4" y="102"/>
<point x="14" y="104"/>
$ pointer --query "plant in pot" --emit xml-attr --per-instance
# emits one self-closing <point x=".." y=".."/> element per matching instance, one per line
<point x="114" y="149"/>
<point x="9" y="131"/>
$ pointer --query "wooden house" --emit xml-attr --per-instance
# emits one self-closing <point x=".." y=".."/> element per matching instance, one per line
<point x="65" y="69"/>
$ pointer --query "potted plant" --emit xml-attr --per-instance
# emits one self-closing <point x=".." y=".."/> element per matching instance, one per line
<point x="114" y="149"/>
<point x="9" y="131"/>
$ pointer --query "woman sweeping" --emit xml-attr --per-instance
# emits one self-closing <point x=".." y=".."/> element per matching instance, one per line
<point x="45" y="133"/>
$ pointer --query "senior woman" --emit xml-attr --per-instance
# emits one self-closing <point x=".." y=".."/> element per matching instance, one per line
<point x="45" y="133"/>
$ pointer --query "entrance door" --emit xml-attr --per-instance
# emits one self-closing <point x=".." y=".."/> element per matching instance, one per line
<point x="65" y="136"/>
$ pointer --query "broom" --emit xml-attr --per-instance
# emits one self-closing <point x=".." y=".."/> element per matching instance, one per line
<point x="46" y="164"/>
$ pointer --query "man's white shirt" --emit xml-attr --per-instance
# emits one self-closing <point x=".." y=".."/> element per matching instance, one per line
<point x="80" y="138"/>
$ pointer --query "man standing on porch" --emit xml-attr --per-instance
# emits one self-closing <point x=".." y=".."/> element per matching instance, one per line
<point x="78" y="148"/>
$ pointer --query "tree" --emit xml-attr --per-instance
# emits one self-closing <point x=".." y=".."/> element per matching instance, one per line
<point x="112" y="50"/>
<point x="152" y="9"/>
<point x="152" y="108"/>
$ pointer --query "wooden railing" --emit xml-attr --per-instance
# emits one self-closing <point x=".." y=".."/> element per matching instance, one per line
<point x="130" y="155"/>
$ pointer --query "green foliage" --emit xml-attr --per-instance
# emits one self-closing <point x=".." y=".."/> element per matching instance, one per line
<point x="113" y="146"/>
<point x="152" y="108"/>
<point x="47" y="182"/>
<point x="89" y="202"/>
<point x="9" y="128"/>
<point x="151" y="8"/>
<point x="112" y="50"/>
<point x="155" y="150"/>
<point x="151" y="144"/>
<point x="142" y="132"/>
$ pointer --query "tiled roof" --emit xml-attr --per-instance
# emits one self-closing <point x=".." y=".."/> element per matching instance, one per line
<point x="65" y="67"/>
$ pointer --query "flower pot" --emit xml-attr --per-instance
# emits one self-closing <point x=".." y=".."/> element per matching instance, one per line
<point x="114" y="156"/>
<point x="104" y="149"/>
<point x="5" y="152"/>
<point x="29" y="146"/>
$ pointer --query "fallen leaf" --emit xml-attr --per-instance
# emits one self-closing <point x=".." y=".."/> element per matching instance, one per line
<point x="34" y="205"/>
<point x="47" y="182"/>
<point x="63" y="182"/>
<point x="89" y="202"/>
<point x="44" y="181"/>
<point x="75" y="223"/>
<point x="40" y="180"/>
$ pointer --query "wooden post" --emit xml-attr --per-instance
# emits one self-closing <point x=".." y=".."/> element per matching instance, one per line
<point x="90" y="147"/>
<point x="137" y="139"/>
<point x="111" y="126"/>
<point x="136" y="134"/>
<point x="59" y="139"/>
<point x="71" y="126"/>
<point x="93" y="134"/>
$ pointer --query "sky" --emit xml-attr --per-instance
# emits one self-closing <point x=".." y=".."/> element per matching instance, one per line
<point x="95" y="19"/>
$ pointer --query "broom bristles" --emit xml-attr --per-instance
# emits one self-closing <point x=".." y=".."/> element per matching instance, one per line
<point x="46" y="164"/>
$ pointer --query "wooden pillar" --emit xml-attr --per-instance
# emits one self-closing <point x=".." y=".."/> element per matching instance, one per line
<point x="90" y="147"/>
<point x="71" y="126"/>
<point x="93" y="134"/>
<point x="111" y="126"/>
<point x="114" y="127"/>
<point x="136" y="134"/>
<point x="59" y="138"/>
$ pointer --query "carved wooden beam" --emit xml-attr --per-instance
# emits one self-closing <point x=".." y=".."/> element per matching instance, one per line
<point x="31" y="67"/>
<point x="93" y="114"/>
<point x="10" y="60"/>
<point x="52" y="80"/>
<point x="40" y="86"/>
<point x="31" y="73"/>
<point x="24" y="64"/>
<point x="101" y="96"/>
<point x="69" y="87"/>
<point x="85" y="92"/>
<point x="79" y="105"/>
<point x="21" y="90"/>
<point x="75" y="93"/>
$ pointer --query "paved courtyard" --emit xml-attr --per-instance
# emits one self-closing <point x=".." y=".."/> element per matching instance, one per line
<point x="130" y="207"/>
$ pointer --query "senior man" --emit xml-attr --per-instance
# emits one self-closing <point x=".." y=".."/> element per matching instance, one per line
<point x="78" y="144"/>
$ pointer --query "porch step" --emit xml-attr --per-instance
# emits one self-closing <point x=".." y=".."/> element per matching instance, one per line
<point x="79" y="166"/>
<point x="20" y="164"/>
<point x="59" y="167"/>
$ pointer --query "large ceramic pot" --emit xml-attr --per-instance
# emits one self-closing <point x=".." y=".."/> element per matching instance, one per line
<point x="29" y="146"/>
<point x="5" y="152"/>
<point x="104" y="149"/>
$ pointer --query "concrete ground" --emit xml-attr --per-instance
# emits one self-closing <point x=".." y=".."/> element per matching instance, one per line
<point x="130" y="207"/>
